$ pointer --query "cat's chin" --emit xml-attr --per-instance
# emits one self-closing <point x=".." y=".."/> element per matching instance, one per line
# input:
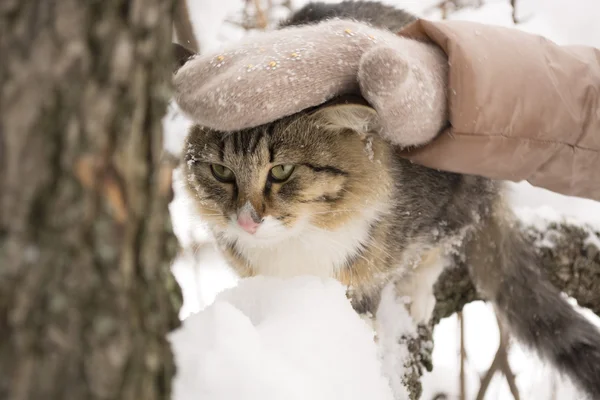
<point x="270" y="232"/>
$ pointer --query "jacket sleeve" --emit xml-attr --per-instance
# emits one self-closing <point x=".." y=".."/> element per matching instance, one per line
<point x="520" y="107"/>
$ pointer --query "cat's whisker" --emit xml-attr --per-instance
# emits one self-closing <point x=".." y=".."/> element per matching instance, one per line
<point x="374" y="245"/>
<point x="340" y="211"/>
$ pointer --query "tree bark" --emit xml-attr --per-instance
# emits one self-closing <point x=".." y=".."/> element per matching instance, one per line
<point x="86" y="294"/>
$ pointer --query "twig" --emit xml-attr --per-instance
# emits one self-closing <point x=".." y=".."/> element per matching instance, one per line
<point x="513" y="4"/>
<point x="463" y="356"/>
<point x="487" y="378"/>
<point x="505" y="365"/>
<point x="261" y="18"/>
<point x="288" y="4"/>
<point x="501" y="364"/>
<point x="183" y="26"/>
<point x="240" y="24"/>
<point x="448" y="6"/>
<point x="553" y="395"/>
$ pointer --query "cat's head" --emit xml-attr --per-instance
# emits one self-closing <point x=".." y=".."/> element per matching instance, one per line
<point x="313" y="170"/>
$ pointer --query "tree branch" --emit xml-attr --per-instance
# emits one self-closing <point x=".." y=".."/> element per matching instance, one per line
<point x="183" y="26"/>
<point x="447" y="7"/>
<point x="569" y="258"/>
<point x="513" y="5"/>
<point x="501" y="364"/>
<point x="571" y="263"/>
<point x="463" y="356"/>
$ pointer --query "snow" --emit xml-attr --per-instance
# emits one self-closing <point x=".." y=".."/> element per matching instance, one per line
<point x="208" y="17"/>
<point x="270" y="338"/>
<point x="176" y="126"/>
<point x="266" y="338"/>
<point x="200" y="269"/>
<point x="188" y="228"/>
<point x="535" y="380"/>
<point x="392" y="323"/>
<point x="538" y="206"/>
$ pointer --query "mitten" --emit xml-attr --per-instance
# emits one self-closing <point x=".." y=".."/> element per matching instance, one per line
<point x="278" y="73"/>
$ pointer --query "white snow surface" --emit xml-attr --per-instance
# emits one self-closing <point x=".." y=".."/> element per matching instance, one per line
<point x="267" y="338"/>
<point x="393" y="322"/>
<point x="272" y="338"/>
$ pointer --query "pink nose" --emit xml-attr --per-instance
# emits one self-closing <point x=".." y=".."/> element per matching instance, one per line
<point x="246" y="222"/>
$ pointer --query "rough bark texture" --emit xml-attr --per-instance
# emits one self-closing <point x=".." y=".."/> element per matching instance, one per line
<point x="86" y="294"/>
<point x="418" y="359"/>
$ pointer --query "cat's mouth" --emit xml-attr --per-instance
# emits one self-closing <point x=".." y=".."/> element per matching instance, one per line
<point x="269" y="231"/>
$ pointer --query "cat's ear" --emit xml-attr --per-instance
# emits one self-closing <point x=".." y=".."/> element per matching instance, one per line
<point x="355" y="117"/>
<point x="181" y="55"/>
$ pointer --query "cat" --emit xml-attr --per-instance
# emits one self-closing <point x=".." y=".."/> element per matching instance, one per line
<point x="371" y="12"/>
<point x="317" y="194"/>
<point x="320" y="193"/>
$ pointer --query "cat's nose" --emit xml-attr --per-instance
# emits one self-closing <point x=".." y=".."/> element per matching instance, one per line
<point x="248" y="219"/>
<point x="247" y="223"/>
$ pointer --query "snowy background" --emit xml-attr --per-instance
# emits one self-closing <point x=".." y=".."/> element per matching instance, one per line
<point x="273" y="339"/>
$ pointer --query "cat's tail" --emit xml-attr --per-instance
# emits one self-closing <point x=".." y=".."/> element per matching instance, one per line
<point x="505" y="269"/>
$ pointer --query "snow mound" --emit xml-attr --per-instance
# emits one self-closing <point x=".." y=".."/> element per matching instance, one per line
<point x="271" y="338"/>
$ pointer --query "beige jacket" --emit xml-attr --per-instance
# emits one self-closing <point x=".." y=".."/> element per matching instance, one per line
<point x="521" y="108"/>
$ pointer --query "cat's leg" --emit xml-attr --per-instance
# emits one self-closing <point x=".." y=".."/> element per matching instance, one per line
<point x="415" y="288"/>
<point x="403" y="321"/>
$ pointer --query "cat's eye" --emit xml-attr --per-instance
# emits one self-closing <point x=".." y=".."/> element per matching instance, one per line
<point x="281" y="173"/>
<point x="222" y="173"/>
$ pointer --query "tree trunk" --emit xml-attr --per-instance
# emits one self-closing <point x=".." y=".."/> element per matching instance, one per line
<point x="86" y="294"/>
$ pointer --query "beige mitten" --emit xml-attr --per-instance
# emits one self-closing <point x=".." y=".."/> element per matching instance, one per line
<point x="279" y="73"/>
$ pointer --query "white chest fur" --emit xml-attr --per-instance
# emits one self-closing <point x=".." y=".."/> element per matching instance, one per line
<point x="312" y="251"/>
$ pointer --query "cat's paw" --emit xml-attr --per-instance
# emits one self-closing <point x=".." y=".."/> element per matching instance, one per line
<point x="416" y="289"/>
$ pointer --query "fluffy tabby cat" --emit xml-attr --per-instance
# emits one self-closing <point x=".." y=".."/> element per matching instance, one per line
<point x="320" y="193"/>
